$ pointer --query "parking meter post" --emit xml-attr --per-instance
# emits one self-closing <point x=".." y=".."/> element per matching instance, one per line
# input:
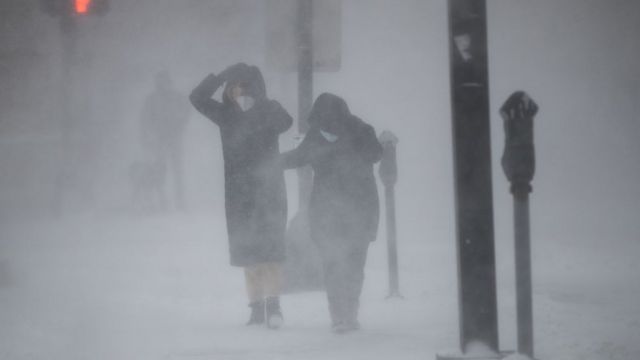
<point x="523" y="274"/>
<point x="392" y="248"/>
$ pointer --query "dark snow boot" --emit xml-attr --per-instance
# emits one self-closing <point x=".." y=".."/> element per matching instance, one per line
<point x="257" y="313"/>
<point x="274" y="314"/>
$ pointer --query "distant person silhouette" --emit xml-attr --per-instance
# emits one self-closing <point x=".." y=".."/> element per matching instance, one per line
<point x="162" y="126"/>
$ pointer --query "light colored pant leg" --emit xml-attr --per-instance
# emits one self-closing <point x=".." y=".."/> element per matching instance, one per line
<point x="253" y="279"/>
<point x="272" y="279"/>
<point x="263" y="280"/>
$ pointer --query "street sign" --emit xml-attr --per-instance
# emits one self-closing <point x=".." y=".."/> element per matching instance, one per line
<point x="282" y="35"/>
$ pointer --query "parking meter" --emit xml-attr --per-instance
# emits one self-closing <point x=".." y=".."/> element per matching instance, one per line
<point x="388" y="169"/>
<point x="518" y="158"/>
<point x="518" y="163"/>
<point x="388" y="172"/>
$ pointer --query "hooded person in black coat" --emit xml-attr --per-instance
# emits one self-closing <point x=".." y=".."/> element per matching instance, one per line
<point x="255" y="195"/>
<point x="344" y="207"/>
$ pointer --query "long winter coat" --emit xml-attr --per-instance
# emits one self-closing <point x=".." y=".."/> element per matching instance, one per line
<point x="255" y="196"/>
<point x="344" y="199"/>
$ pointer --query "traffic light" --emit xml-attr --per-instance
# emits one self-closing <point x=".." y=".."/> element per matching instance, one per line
<point x="82" y="6"/>
<point x="75" y="7"/>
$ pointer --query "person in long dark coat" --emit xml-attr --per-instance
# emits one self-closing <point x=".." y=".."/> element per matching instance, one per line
<point x="344" y="206"/>
<point x="255" y="196"/>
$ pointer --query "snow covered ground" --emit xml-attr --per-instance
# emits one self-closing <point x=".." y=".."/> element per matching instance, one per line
<point x="160" y="287"/>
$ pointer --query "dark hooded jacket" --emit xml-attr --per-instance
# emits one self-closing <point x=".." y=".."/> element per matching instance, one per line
<point x="255" y="197"/>
<point x="344" y="199"/>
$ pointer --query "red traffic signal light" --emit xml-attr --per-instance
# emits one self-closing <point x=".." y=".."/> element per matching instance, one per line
<point x="82" y="6"/>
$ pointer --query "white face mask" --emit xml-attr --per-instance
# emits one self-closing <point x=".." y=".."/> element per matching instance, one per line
<point x="329" y="136"/>
<point x="245" y="102"/>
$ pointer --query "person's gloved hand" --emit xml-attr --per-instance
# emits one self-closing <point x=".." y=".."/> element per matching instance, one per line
<point x="387" y="137"/>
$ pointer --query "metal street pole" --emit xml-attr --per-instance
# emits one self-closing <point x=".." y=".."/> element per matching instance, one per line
<point x="69" y="38"/>
<point x="305" y="89"/>
<point x="472" y="172"/>
<point x="303" y="268"/>
<point x="69" y="32"/>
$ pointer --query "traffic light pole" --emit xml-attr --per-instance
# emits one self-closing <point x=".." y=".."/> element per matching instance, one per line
<point x="69" y="32"/>
<point x="69" y="39"/>
<point x="472" y="172"/>
<point x="303" y="270"/>
<point x="305" y="89"/>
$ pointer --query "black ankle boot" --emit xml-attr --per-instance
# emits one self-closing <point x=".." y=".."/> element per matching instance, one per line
<point x="274" y="314"/>
<point x="257" y="313"/>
